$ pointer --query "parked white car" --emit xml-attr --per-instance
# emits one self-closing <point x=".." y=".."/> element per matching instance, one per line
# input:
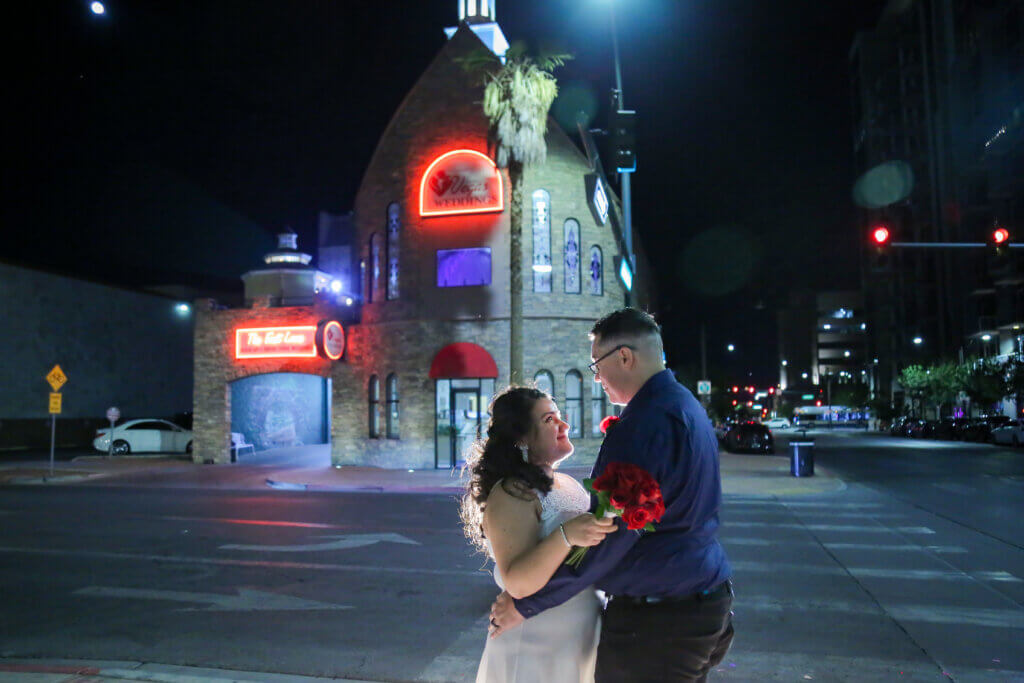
<point x="1011" y="433"/>
<point x="777" y="423"/>
<point x="145" y="436"/>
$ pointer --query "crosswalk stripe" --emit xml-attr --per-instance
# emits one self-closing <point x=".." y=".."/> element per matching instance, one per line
<point x="952" y="549"/>
<point x="453" y="664"/>
<point x="933" y="614"/>
<point x="828" y="527"/>
<point x="873" y="572"/>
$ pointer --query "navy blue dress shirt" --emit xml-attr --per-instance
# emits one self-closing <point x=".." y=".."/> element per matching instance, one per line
<point x="666" y="431"/>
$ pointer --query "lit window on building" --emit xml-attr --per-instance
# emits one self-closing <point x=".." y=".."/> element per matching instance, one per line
<point x="574" y="402"/>
<point x="376" y="263"/>
<point x="394" y="228"/>
<point x="598" y="405"/>
<point x="596" y="271"/>
<point x="541" y="241"/>
<point x="373" y="406"/>
<point x="463" y="267"/>
<point x="545" y="382"/>
<point x="572" y="256"/>
<point x="391" y="396"/>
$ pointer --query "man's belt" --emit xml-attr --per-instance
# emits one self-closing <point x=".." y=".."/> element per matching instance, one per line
<point x="719" y="591"/>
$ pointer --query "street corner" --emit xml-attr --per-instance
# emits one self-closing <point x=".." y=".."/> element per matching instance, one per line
<point x="771" y="476"/>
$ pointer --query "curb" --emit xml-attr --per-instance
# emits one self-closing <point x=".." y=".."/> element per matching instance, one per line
<point x="74" y="670"/>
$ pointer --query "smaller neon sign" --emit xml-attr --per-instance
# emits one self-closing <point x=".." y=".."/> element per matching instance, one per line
<point x="276" y="342"/>
<point x="330" y="339"/>
<point x="461" y="181"/>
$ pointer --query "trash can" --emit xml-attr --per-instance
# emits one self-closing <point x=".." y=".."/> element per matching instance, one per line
<point x="801" y="457"/>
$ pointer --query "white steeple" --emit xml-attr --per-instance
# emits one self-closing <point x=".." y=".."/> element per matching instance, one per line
<point x="481" y="18"/>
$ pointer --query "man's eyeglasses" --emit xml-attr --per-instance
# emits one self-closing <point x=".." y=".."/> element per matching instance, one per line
<point x="593" y="366"/>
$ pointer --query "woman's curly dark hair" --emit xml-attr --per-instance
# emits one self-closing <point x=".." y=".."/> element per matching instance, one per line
<point x="498" y="458"/>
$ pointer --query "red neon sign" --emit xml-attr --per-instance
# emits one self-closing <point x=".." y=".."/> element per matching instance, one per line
<point x="276" y="342"/>
<point x="461" y="181"/>
<point x="330" y="339"/>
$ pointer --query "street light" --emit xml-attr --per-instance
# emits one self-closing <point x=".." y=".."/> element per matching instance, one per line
<point x="624" y="175"/>
<point x="730" y="348"/>
<point x="97" y="8"/>
<point x="785" y="363"/>
<point x="918" y="341"/>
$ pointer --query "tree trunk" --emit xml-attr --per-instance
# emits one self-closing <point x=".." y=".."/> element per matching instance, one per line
<point x="515" y="176"/>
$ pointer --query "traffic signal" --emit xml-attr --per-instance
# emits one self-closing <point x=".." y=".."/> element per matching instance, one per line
<point x="880" y="236"/>
<point x="623" y="139"/>
<point x="999" y="240"/>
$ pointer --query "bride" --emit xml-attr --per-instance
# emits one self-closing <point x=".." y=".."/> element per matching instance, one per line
<point x="527" y="517"/>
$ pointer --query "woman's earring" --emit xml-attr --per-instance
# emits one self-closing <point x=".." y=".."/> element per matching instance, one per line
<point x="523" y="451"/>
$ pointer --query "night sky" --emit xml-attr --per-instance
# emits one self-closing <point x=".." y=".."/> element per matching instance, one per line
<point x="152" y="143"/>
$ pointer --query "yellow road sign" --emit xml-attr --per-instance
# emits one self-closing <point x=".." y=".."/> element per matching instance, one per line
<point x="55" y="402"/>
<point x="56" y="378"/>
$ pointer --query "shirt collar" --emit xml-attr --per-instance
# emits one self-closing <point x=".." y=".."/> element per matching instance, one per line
<point x="655" y="383"/>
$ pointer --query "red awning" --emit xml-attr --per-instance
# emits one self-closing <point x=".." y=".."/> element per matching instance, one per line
<point x="463" y="359"/>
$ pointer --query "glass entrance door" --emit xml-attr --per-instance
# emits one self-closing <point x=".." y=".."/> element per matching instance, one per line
<point x="461" y="413"/>
<point x="465" y="414"/>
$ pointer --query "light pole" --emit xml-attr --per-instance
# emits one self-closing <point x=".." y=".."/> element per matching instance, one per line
<point x="624" y="179"/>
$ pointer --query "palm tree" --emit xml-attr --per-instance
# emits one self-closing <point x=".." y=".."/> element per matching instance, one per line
<point x="517" y="98"/>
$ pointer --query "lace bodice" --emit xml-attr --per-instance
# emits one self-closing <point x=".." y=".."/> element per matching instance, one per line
<point x="557" y="507"/>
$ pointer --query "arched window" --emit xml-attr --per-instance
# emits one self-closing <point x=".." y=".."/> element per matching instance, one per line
<point x="391" y="396"/>
<point x="571" y="228"/>
<point x="545" y="382"/>
<point x="394" y="228"/>
<point x="373" y="406"/>
<point x="541" y="241"/>
<point x="376" y="258"/>
<point x="597" y="408"/>
<point x="596" y="271"/>
<point x="574" y="402"/>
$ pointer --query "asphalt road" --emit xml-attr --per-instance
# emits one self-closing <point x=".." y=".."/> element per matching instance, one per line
<point x="892" y="578"/>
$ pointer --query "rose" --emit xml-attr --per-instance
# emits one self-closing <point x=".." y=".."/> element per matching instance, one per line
<point x="637" y="517"/>
<point x="608" y="422"/>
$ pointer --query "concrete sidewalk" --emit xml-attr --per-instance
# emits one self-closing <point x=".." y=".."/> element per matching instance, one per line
<point x="742" y="475"/>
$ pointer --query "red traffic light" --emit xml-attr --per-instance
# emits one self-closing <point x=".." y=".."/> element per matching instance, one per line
<point x="1000" y="235"/>
<point x="880" y="235"/>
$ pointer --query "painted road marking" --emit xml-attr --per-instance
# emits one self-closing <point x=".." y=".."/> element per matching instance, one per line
<point x="933" y="614"/>
<point x="339" y="543"/>
<point x="246" y="600"/>
<point x="453" y="664"/>
<point x="958" y="489"/>
<point x="878" y="573"/>
<point x="953" y="549"/>
<point x="829" y="527"/>
<point x="801" y="504"/>
<point x="283" y="523"/>
<point x="225" y="562"/>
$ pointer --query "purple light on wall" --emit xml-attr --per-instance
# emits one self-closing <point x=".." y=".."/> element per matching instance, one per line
<point x="463" y="267"/>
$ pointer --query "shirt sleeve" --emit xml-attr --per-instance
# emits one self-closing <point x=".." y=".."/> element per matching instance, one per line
<point x="640" y="447"/>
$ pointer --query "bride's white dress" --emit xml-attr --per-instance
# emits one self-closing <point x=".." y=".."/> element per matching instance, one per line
<point x="559" y="645"/>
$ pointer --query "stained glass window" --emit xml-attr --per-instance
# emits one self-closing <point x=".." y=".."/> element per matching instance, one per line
<point x="373" y="288"/>
<point x="597" y="408"/>
<point x="596" y="271"/>
<point x="373" y="406"/>
<point x="391" y="387"/>
<point x="541" y="241"/>
<point x="394" y="227"/>
<point x="572" y="256"/>
<point x="574" y="402"/>
<point x="545" y="382"/>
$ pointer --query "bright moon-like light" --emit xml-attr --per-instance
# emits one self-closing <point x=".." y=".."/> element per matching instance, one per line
<point x="98" y="8"/>
<point x="336" y="286"/>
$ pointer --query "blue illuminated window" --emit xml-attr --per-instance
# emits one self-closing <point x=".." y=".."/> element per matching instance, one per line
<point x="596" y="271"/>
<point x="571" y="228"/>
<point x="464" y="267"/>
<point x="394" y="228"/>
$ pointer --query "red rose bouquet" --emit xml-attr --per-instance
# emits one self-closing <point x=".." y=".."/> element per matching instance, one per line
<point x="626" y="491"/>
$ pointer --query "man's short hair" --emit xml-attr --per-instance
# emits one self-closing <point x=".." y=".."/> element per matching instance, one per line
<point x="625" y="324"/>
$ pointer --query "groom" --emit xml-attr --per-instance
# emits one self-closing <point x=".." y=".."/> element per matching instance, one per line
<point x="669" y="611"/>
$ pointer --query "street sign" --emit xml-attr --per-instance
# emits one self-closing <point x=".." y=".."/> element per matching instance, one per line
<point x="704" y="387"/>
<point x="55" y="403"/>
<point x="113" y="414"/>
<point x="56" y="378"/>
